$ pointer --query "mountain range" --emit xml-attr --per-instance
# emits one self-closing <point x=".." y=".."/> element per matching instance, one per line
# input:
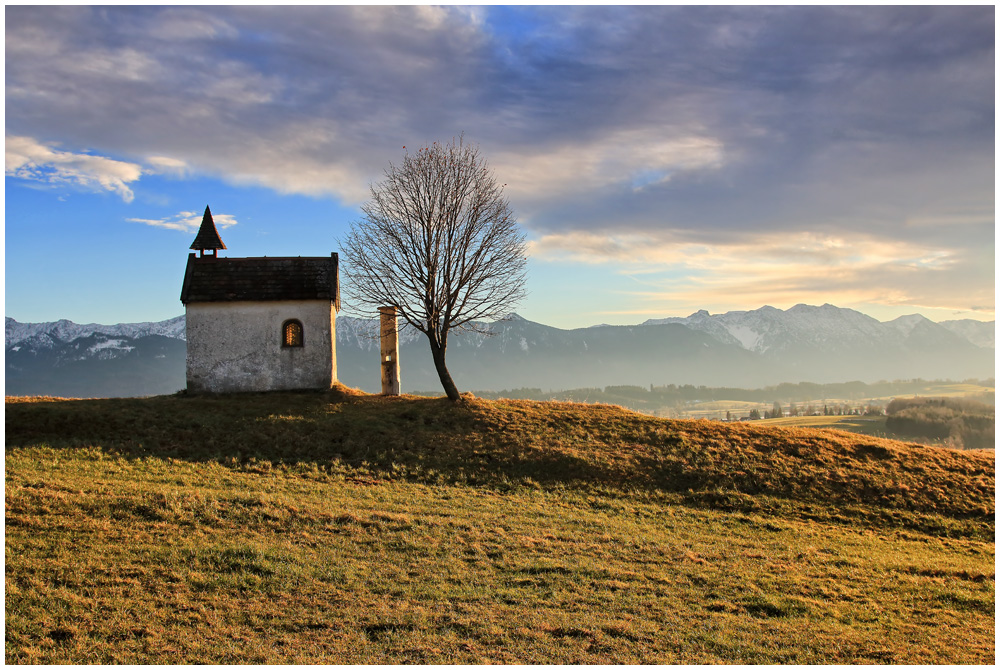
<point x="747" y="349"/>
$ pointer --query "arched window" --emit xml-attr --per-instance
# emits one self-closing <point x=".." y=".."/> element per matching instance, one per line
<point x="291" y="333"/>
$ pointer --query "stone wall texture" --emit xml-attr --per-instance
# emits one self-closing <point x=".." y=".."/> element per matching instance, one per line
<point x="236" y="346"/>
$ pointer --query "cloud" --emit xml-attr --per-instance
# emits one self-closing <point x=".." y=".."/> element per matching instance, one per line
<point x="637" y="107"/>
<point x="167" y="165"/>
<point x="764" y="254"/>
<point x="190" y="24"/>
<point x="188" y="222"/>
<point x="643" y="127"/>
<point x="778" y="270"/>
<point x="315" y="100"/>
<point x="632" y="158"/>
<point x="28" y="159"/>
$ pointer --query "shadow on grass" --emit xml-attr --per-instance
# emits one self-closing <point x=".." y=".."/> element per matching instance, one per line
<point x="422" y="439"/>
<point x="519" y="443"/>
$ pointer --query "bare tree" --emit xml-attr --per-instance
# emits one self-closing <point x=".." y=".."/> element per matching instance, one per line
<point x="440" y="242"/>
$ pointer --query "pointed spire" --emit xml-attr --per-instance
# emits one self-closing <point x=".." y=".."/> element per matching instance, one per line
<point x="208" y="237"/>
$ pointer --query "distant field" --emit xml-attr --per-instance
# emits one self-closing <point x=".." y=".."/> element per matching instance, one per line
<point x="689" y="402"/>
<point x="955" y="390"/>
<point x="716" y="409"/>
<point x="341" y="528"/>
<point x="863" y="425"/>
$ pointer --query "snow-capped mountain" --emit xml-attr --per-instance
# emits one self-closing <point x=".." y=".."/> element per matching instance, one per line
<point x="980" y="333"/>
<point x="826" y="342"/>
<point x="363" y="334"/>
<point x="87" y="360"/>
<point x="53" y="332"/>
<point x="742" y="349"/>
<point x="774" y="332"/>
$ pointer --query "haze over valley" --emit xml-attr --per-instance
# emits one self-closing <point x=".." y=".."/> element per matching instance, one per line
<point x="749" y="349"/>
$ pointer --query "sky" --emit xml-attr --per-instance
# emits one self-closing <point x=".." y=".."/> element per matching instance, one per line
<point x="660" y="160"/>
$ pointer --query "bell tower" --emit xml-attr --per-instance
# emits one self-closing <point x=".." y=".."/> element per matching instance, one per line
<point x="208" y="237"/>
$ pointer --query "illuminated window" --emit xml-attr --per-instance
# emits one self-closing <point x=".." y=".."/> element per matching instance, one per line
<point x="291" y="334"/>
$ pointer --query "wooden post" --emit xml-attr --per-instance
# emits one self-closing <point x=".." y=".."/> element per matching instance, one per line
<point x="389" y="351"/>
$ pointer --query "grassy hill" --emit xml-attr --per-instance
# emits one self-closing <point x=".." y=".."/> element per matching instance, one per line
<point x="345" y="528"/>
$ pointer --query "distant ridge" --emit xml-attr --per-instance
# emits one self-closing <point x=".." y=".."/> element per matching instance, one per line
<point x="67" y="331"/>
<point x="980" y="333"/>
<point x="747" y="349"/>
<point x="769" y="329"/>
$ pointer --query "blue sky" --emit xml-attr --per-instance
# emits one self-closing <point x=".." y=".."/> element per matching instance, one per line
<point x="660" y="159"/>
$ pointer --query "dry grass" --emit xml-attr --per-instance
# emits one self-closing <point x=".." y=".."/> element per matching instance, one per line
<point x="344" y="528"/>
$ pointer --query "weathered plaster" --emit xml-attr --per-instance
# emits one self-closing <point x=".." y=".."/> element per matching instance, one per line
<point x="236" y="346"/>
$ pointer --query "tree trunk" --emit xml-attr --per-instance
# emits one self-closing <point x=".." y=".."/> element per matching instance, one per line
<point x="437" y="353"/>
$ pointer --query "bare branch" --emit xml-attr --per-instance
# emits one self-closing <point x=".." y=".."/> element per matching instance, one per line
<point x="440" y="242"/>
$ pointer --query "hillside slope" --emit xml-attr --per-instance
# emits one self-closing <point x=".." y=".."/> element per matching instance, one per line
<point x="340" y="528"/>
<point x="510" y="442"/>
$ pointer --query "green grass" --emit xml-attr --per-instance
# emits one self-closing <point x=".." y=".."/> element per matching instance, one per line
<point x="342" y="528"/>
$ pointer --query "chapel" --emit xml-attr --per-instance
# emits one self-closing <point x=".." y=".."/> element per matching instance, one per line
<point x="258" y="324"/>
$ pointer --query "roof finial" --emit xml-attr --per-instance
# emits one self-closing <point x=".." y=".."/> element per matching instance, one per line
<point x="207" y="238"/>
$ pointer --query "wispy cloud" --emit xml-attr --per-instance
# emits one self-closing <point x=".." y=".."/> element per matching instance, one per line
<point x="780" y="270"/>
<point x="167" y="165"/>
<point x="187" y="222"/>
<point x="632" y="158"/>
<point x="28" y="159"/>
<point x="765" y="254"/>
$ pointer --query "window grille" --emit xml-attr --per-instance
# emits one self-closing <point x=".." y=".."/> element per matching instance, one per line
<point x="291" y="334"/>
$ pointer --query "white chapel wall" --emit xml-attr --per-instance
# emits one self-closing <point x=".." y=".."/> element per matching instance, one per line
<point x="236" y="346"/>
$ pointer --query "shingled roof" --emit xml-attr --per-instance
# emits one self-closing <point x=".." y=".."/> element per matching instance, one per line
<point x="207" y="237"/>
<point x="210" y="279"/>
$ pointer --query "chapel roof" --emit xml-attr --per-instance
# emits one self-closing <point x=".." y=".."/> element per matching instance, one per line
<point x="211" y="279"/>
<point x="207" y="237"/>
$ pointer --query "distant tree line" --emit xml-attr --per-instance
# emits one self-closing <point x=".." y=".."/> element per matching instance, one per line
<point x="963" y="423"/>
<point x="811" y="395"/>
<point x="810" y="409"/>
